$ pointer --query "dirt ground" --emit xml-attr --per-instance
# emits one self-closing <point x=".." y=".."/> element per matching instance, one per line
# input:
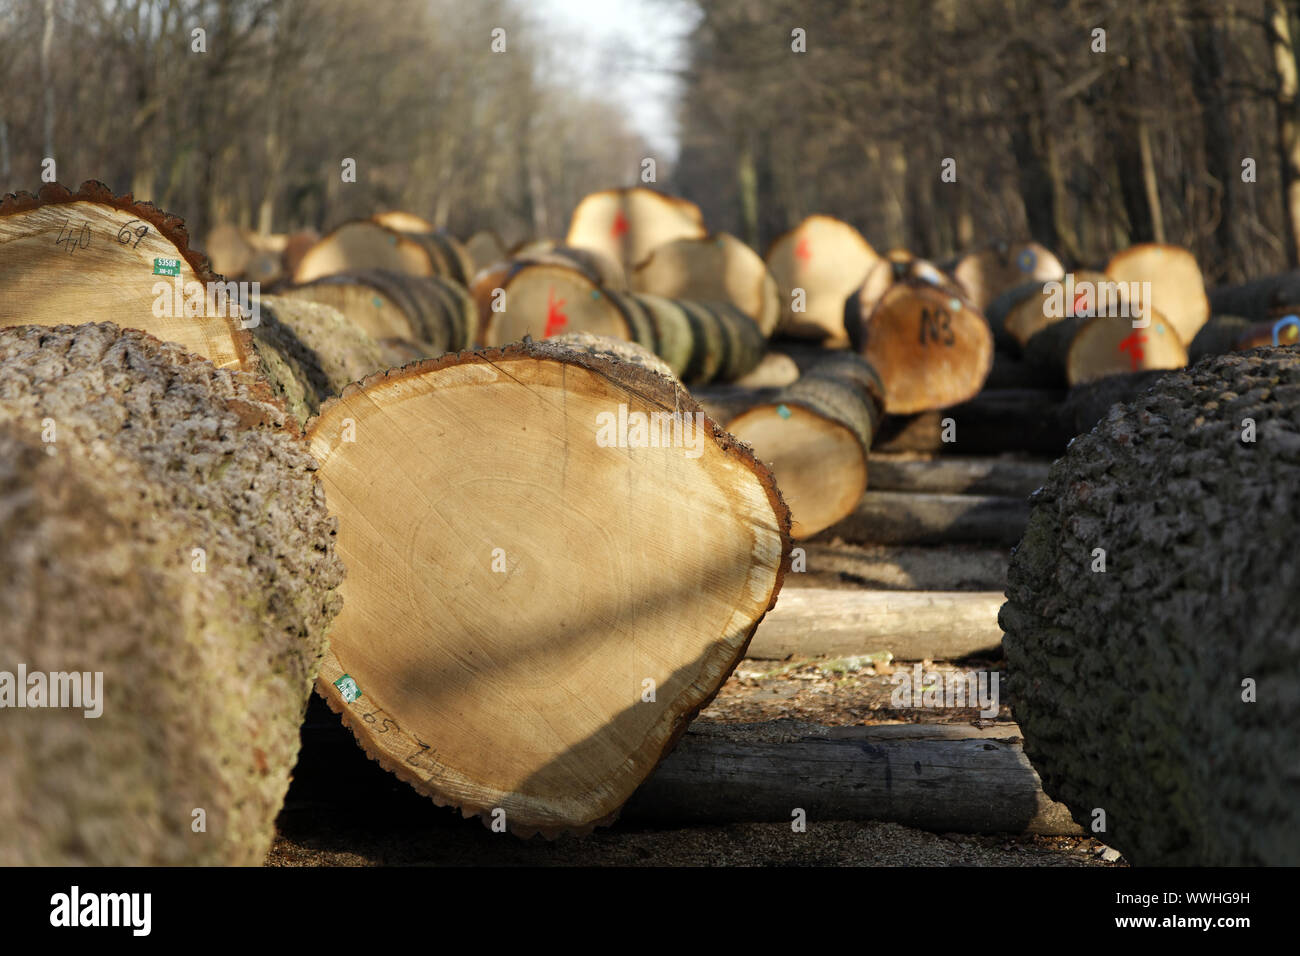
<point x="343" y="810"/>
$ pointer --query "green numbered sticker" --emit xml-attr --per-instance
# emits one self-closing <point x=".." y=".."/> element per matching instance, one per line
<point x="166" y="267"/>
<point x="348" y="688"/>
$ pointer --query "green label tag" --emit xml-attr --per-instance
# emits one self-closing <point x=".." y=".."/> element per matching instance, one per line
<point x="348" y="688"/>
<point x="783" y="411"/>
<point x="166" y="267"/>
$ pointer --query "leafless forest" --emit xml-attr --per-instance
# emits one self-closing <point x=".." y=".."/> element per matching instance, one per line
<point x="1183" y="129"/>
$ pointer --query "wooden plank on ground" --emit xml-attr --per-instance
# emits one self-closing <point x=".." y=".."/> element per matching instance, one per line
<point x="960" y="567"/>
<point x="965" y="475"/>
<point x="941" y="777"/>
<point x="913" y="625"/>
<point x="895" y="517"/>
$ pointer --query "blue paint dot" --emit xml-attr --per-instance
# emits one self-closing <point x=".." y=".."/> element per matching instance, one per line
<point x="783" y="411"/>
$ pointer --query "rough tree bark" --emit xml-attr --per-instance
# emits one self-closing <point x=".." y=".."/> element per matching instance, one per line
<point x="162" y="525"/>
<point x="1130" y="685"/>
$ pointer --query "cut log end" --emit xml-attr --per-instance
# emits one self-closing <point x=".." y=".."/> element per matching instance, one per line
<point x="932" y="348"/>
<point x="602" y="580"/>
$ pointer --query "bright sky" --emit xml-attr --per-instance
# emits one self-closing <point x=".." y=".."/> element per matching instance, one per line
<point x="623" y="48"/>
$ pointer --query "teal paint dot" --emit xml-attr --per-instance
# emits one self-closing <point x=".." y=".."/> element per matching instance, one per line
<point x="783" y="411"/>
<point x="378" y="302"/>
<point x="595" y="293"/>
<point x="954" y="304"/>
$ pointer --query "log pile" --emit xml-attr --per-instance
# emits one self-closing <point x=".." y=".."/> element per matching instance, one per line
<point x="1155" y="690"/>
<point x="163" y="529"/>
<point x="423" y="315"/>
<point x="554" y="558"/>
<point x="364" y="244"/>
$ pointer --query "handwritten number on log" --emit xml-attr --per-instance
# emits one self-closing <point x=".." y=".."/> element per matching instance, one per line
<point x="424" y="757"/>
<point x="387" y="723"/>
<point x="73" y="240"/>
<point x="933" y="324"/>
<point x="126" y="232"/>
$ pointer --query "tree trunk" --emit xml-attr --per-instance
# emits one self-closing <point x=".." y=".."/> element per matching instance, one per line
<point x="1155" y="655"/>
<point x="169" y="535"/>
<point x="1288" y="121"/>
<point x="601" y="582"/>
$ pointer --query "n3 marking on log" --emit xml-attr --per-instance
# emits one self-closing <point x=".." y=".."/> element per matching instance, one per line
<point x="935" y="322"/>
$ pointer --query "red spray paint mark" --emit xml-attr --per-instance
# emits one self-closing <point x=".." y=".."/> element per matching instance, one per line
<point x="620" y="225"/>
<point x="1080" y="303"/>
<point x="802" y="251"/>
<point x="555" y="317"/>
<point x="1133" y="345"/>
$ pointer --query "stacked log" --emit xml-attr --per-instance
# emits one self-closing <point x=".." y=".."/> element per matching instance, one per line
<point x="898" y="265"/>
<point x="364" y="244"/>
<point x="1078" y="295"/>
<point x="988" y="273"/>
<point x="486" y="287"/>
<point x="816" y="437"/>
<point x="1153" y="694"/>
<point x="310" y="351"/>
<point x="1087" y="348"/>
<point x="485" y="247"/>
<point x="248" y="255"/>
<point x="817" y="265"/>
<point x="444" y="685"/>
<point x="700" y="341"/>
<point x="427" y="314"/>
<point x="98" y="257"/>
<point x="163" y="529"/>
<point x="1268" y="297"/>
<point x="931" y="347"/>
<point x="1176" y="284"/>
<point x="715" y="268"/>
<point x="626" y="225"/>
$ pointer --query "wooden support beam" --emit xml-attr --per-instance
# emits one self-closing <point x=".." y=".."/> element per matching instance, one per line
<point x="913" y="625"/>
<point x="984" y="476"/>
<point x="941" y="777"/>
<point x="896" y="517"/>
<point x="901" y="567"/>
